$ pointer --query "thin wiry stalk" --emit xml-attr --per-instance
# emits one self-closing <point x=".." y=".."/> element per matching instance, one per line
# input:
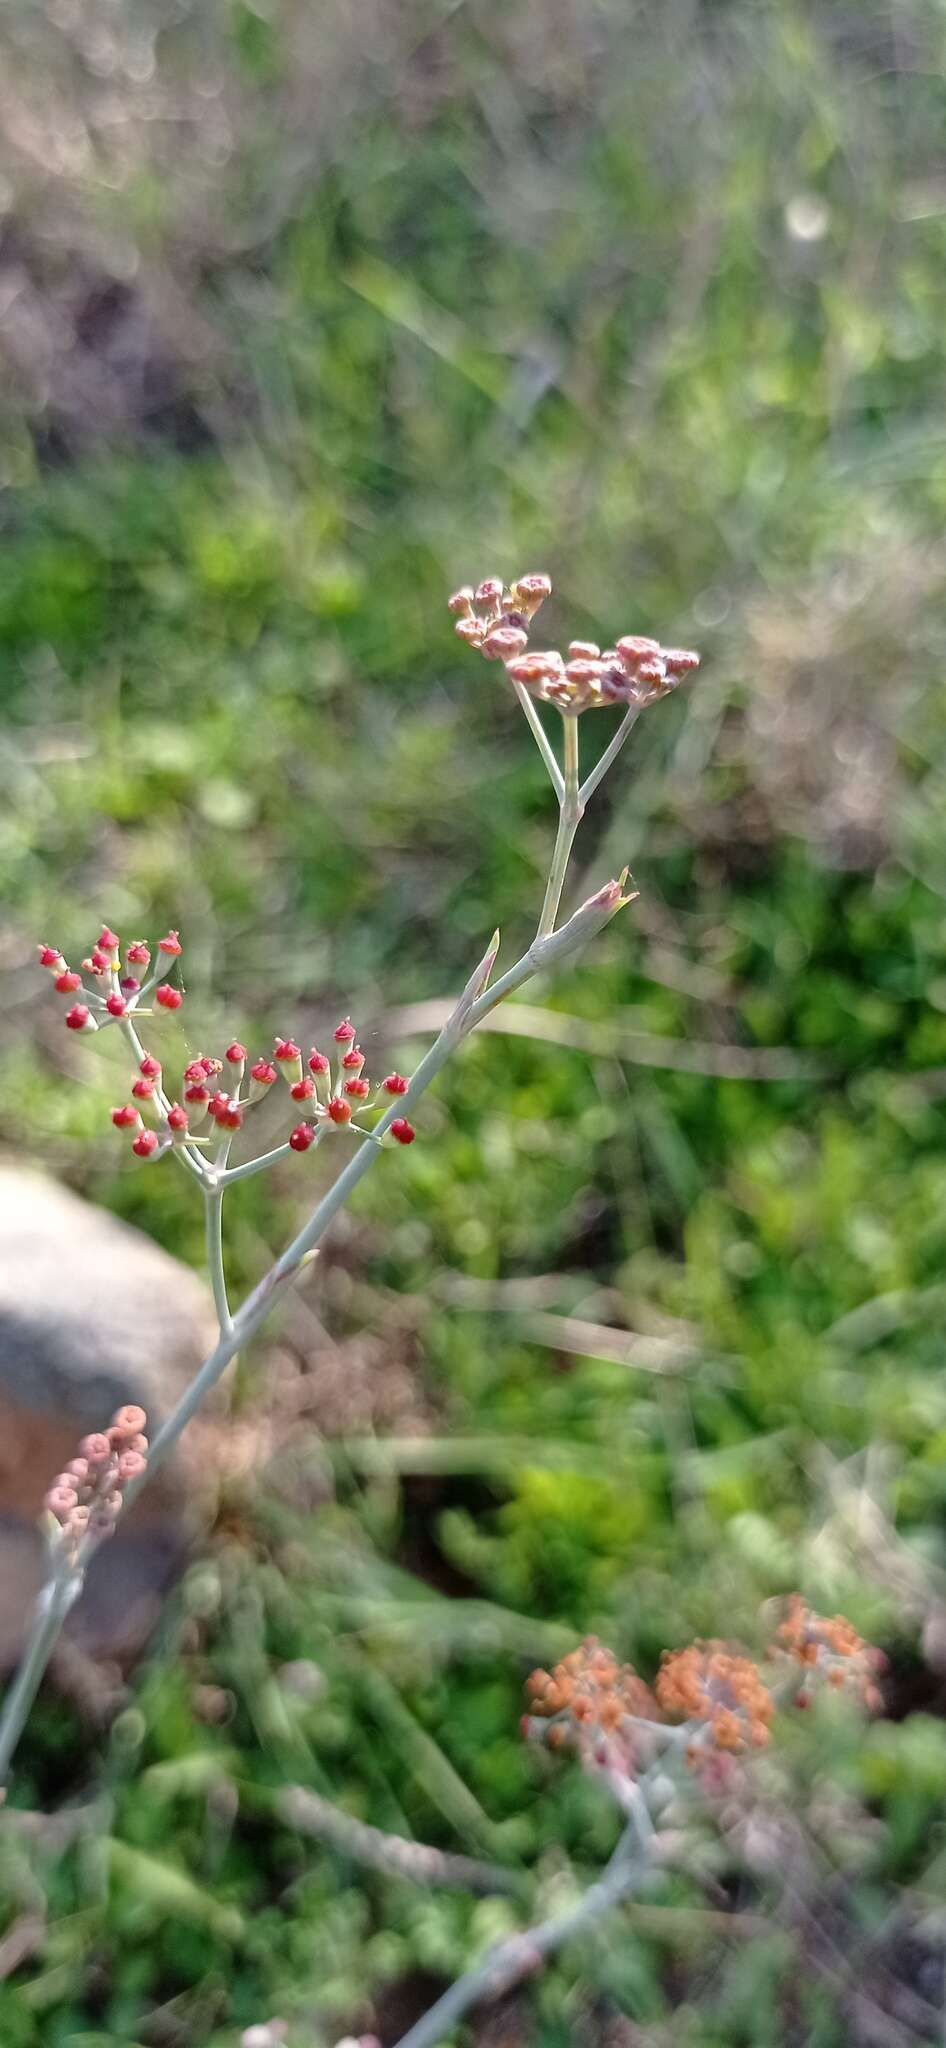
<point x="520" y="1955"/>
<point x="570" y="813"/>
<point x="611" y="752"/>
<point x="541" y="739"/>
<point x="213" y="1200"/>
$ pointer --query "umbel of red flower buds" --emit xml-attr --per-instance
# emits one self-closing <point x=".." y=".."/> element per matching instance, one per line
<point x="112" y="992"/>
<point x="634" y="672"/>
<point x="86" y="1498"/>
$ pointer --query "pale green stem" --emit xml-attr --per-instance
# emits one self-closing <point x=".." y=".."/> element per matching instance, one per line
<point x="61" y="1590"/>
<point x="521" y="1954"/>
<point x="611" y="752"/>
<point x="570" y="812"/>
<point x="541" y="739"/>
<point x="213" y="1198"/>
<point x="251" y="1166"/>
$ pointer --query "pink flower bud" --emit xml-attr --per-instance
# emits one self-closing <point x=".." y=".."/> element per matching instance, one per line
<point x="195" y="1070"/>
<point x="232" y="1117"/>
<point x="129" y="1420"/>
<point x="60" y="1501"/>
<point x="583" y="650"/>
<point x="358" y="1087"/>
<point x="236" y="1053"/>
<point x="286" y="1049"/>
<point x="302" y="1137"/>
<point x="150" y="1067"/>
<point x="77" y="1470"/>
<point x="138" y="953"/>
<point x="50" y="956"/>
<point x="471" y="630"/>
<point x="680" y="661"/>
<point x="67" y="981"/>
<point x="168" y="997"/>
<point x="531" y="591"/>
<point x="634" y="648"/>
<point x="302" y="1091"/>
<point x="344" y="1032"/>
<point x="395" y="1084"/>
<point x="171" y="944"/>
<point x="115" y="1005"/>
<point x="218" y="1105"/>
<point x="339" y="1110"/>
<point x="504" y="643"/>
<point x="79" y="1018"/>
<point x="128" y="985"/>
<point x="131" y="1465"/>
<point x="196" y="1092"/>
<point x="96" y="1448"/>
<point x="145" y="1144"/>
<point x="264" y="1072"/>
<point x="99" y="961"/>
<point x="489" y="591"/>
<point x="354" y="1059"/>
<point x="108" y="942"/>
<point x="126" y="1118"/>
<point x="402" y="1131"/>
<point x="143" y="1089"/>
<point x="317" y="1062"/>
<point x="177" y="1118"/>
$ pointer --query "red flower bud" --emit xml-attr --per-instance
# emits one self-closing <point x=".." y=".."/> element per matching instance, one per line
<point x="150" y="1066"/>
<point x="195" y="1070"/>
<point x="344" y="1032"/>
<point x="264" y="1072"/>
<point x="395" y="1084"/>
<point x="232" y="1117"/>
<point x="99" y="960"/>
<point x="108" y="941"/>
<point x="171" y="944"/>
<point x="177" y="1118"/>
<point x="317" y="1062"/>
<point x="145" y="1143"/>
<point x="339" y="1110"/>
<point x="115" y="1005"/>
<point x="286" y="1049"/>
<point x="402" y="1131"/>
<point x="80" y="1019"/>
<point x="50" y="956"/>
<point x="139" y="954"/>
<point x="126" y="1118"/>
<point x="168" y="997"/>
<point x="302" y="1137"/>
<point x="219" y="1104"/>
<point x="144" y="1089"/>
<point x="67" y="981"/>
<point x="354" y="1059"/>
<point x="302" y="1091"/>
<point x="358" y="1087"/>
<point x="196" y="1092"/>
<point x="128" y="985"/>
<point x="236" y="1053"/>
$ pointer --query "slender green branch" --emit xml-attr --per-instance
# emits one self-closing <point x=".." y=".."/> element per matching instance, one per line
<point x="251" y="1166"/>
<point x="541" y="739"/>
<point x="60" y="1592"/>
<point x="522" y="1954"/>
<point x="213" y="1198"/>
<point x="571" y="811"/>
<point x="611" y="752"/>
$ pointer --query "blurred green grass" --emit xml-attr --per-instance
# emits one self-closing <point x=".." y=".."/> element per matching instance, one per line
<point x="651" y="299"/>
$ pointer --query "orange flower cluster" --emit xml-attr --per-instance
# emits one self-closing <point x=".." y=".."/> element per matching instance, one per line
<point x="589" y="1695"/>
<point x="634" y="672"/>
<point x="828" y="1648"/>
<point x="708" y="1682"/>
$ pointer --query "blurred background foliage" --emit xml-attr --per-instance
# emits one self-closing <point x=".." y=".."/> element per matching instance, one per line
<point x="307" y="315"/>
